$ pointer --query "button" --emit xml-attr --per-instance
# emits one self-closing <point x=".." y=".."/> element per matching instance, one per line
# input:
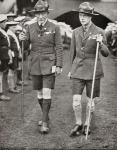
<point x="82" y="48"/>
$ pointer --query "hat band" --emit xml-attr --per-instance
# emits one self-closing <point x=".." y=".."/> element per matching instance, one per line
<point x="86" y="11"/>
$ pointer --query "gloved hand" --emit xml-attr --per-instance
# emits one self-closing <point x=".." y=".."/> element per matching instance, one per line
<point x="69" y="75"/>
<point x="99" y="38"/>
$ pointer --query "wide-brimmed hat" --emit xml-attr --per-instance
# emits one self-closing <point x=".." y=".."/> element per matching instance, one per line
<point x="41" y="6"/>
<point x="3" y="17"/>
<point x="87" y="8"/>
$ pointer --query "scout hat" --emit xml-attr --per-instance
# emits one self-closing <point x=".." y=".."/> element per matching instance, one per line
<point x="87" y="8"/>
<point x="41" y="6"/>
<point x="3" y="17"/>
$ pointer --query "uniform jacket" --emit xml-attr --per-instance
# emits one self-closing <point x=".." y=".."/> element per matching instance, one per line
<point x="46" y="48"/>
<point x="4" y="45"/>
<point x="83" y="51"/>
<point x="13" y="44"/>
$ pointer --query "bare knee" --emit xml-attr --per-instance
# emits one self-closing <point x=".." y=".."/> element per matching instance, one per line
<point x="76" y="101"/>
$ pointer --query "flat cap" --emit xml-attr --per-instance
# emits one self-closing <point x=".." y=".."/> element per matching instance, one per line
<point x="12" y="23"/>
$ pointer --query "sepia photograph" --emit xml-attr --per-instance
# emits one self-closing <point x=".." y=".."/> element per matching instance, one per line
<point x="58" y="74"/>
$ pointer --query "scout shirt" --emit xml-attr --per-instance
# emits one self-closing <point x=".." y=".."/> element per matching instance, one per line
<point x="83" y="51"/>
<point x="46" y="47"/>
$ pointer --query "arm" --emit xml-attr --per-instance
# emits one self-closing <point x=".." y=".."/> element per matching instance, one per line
<point x="58" y="47"/>
<point x="72" y="48"/>
<point x="103" y="46"/>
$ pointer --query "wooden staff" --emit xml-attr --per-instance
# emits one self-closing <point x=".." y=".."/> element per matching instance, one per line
<point x="22" y="67"/>
<point x="92" y="89"/>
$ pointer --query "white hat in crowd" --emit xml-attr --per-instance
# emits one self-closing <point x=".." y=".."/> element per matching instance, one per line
<point x="11" y="23"/>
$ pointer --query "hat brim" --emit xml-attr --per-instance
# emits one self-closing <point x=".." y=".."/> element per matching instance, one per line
<point x="13" y="24"/>
<point x="92" y="14"/>
<point x="39" y="11"/>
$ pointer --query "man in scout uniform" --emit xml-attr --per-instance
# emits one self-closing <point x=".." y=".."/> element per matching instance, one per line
<point x="46" y="57"/>
<point x="82" y="59"/>
<point x="4" y="54"/>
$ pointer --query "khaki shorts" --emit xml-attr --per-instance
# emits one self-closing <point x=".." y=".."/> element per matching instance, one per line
<point x="78" y="86"/>
<point x="43" y="81"/>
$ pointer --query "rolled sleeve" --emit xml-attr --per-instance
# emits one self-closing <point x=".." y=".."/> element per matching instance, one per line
<point x="72" y="48"/>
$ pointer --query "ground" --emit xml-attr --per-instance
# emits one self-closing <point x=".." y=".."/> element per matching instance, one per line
<point x="18" y="117"/>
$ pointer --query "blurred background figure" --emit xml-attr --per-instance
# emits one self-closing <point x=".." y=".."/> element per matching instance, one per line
<point x="4" y="54"/>
<point x="7" y="6"/>
<point x="111" y="34"/>
<point x="21" y="27"/>
<point x="16" y="54"/>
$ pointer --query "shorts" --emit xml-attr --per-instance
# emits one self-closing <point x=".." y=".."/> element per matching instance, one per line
<point x="43" y="81"/>
<point x="78" y="86"/>
<point x="14" y="65"/>
<point x="4" y="65"/>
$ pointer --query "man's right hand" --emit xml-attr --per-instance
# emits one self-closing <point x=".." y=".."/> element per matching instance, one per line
<point x="22" y="36"/>
<point x="69" y="75"/>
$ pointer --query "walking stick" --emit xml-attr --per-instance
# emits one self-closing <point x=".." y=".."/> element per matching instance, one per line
<point x="22" y="67"/>
<point x="22" y="93"/>
<point x="92" y="89"/>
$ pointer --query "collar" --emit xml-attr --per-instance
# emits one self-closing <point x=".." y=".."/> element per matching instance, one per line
<point x="86" y="28"/>
<point x="42" y="24"/>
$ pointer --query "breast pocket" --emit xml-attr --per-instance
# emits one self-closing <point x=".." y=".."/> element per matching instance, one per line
<point x="49" y="36"/>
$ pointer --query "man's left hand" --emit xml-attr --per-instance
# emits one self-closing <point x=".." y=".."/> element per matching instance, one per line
<point x="99" y="38"/>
